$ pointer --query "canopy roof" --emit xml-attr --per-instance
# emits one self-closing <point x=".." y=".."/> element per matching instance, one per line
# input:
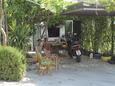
<point x="86" y="9"/>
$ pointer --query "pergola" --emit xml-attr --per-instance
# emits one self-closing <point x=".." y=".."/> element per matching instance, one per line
<point x="86" y="9"/>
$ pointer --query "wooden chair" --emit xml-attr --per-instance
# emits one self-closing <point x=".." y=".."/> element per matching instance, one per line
<point x="44" y="64"/>
<point x="54" y="58"/>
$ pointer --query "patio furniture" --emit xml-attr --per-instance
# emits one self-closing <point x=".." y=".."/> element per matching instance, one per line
<point x="54" y="58"/>
<point x="45" y="65"/>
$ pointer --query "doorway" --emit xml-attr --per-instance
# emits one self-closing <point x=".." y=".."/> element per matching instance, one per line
<point x="77" y="28"/>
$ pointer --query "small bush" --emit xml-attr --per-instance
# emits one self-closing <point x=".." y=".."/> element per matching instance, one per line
<point x="12" y="64"/>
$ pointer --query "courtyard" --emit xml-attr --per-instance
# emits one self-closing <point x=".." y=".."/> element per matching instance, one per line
<point x="89" y="72"/>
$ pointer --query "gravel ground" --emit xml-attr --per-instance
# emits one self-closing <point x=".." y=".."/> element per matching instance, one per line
<point x="89" y="72"/>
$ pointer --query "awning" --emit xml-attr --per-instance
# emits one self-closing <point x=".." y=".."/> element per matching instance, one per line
<point x="86" y="9"/>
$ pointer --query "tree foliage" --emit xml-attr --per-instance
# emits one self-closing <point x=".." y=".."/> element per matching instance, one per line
<point x="55" y="6"/>
<point x="26" y="13"/>
<point x="22" y="15"/>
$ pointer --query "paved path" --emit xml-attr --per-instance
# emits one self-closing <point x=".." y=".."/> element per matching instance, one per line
<point x="89" y="72"/>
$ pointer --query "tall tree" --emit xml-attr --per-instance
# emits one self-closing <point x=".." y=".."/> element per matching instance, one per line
<point x="1" y="21"/>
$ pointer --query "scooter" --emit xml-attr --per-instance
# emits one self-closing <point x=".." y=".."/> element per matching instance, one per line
<point x="76" y="52"/>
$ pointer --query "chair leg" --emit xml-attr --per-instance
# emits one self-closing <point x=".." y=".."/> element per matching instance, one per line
<point x="43" y="70"/>
<point x="56" y="62"/>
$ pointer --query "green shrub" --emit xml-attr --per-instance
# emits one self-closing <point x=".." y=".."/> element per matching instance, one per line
<point x="12" y="64"/>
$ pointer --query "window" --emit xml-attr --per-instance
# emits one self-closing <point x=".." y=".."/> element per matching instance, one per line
<point x="53" y="32"/>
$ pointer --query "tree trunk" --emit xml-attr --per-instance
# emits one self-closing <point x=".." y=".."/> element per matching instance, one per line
<point x="1" y="28"/>
<point x="112" y="38"/>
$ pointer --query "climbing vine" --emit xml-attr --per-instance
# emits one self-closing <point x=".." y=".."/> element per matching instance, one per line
<point x="96" y="34"/>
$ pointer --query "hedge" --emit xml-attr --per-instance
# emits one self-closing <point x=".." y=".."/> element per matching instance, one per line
<point x="12" y="64"/>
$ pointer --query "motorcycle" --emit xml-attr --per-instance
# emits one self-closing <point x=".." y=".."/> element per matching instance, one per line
<point x="75" y="51"/>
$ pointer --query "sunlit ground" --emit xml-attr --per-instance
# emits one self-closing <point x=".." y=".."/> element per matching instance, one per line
<point x="89" y="72"/>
